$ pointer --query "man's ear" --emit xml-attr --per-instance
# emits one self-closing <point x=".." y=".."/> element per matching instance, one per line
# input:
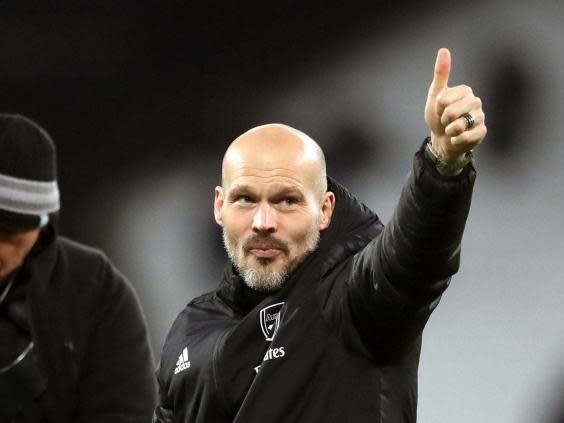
<point x="218" y="204"/>
<point x="327" y="207"/>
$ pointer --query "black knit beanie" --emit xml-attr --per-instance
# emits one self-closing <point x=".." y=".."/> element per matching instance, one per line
<point x="29" y="195"/>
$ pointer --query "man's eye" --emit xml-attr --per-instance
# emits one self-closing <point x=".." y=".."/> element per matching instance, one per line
<point x="244" y="199"/>
<point x="290" y="201"/>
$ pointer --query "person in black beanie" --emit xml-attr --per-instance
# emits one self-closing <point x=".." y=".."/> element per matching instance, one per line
<point x="73" y="340"/>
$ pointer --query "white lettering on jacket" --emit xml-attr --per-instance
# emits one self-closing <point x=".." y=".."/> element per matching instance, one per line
<point x="272" y="354"/>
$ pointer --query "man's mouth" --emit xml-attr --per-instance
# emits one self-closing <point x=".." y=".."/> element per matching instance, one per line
<point x="265" y="248"/>
<point x="265" y="252"/>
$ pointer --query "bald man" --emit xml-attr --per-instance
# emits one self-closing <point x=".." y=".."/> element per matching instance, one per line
<point x="319" y="315"/>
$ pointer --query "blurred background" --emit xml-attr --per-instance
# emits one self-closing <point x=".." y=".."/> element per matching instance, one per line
<point x="142" y="98"/>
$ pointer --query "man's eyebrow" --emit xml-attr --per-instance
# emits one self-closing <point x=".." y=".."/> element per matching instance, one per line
<point x="285" y="190"/>
<point x="279" y="190"/>
<point x="241" y="188"/>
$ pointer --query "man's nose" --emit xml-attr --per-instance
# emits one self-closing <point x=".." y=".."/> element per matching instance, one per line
<point x="264" y="219"/>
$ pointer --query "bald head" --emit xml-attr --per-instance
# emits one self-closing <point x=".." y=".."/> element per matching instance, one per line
<point x="275" y="147"/>
<point x="273" y="204"/>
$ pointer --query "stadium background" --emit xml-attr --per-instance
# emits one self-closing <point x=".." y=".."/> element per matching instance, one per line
<point x="143" y="97"/>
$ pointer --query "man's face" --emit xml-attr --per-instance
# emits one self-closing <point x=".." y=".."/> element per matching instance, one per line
<point x="268" y="229"/>
<point x="14" y="247"/>
<point x="272" y="212"/>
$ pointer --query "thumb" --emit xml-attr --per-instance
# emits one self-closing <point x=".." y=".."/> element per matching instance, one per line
<point x="442" y="72"/>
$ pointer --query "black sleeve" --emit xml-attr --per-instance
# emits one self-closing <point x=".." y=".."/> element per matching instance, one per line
<point x="398" y="278"/>
<point x="116" y="382"/>
<point x="162" y="413"/>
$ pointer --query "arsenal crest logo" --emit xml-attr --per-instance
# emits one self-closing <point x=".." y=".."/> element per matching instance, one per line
<point x="270" y="320"/>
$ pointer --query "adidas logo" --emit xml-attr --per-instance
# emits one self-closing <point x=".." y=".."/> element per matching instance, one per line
<point x="182" y="363"/>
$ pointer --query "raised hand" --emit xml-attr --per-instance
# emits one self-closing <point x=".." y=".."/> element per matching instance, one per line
<point x="454" y="114"/>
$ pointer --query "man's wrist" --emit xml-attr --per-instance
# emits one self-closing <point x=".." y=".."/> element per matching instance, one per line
<point x="444" y="167"/>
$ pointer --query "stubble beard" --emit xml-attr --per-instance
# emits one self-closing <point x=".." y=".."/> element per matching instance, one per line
<point x="263" y="278"/>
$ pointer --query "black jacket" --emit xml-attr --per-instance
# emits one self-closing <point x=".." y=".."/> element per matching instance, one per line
<point x="340" y="342"/>
<point x="91" y="343"/>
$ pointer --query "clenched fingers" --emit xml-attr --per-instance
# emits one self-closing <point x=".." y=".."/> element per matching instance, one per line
<point x="458" y="126"/>
<point x="459" y="105"/>
<point x="471" y="138"/>
<point x="450" y="96"/>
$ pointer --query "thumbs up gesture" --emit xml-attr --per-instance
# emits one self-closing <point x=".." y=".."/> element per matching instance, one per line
<point x="454" y="114"/>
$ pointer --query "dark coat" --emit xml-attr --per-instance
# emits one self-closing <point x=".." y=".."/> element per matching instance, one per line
<point x="91" y="339"/>
<point x="340" y="342"/>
